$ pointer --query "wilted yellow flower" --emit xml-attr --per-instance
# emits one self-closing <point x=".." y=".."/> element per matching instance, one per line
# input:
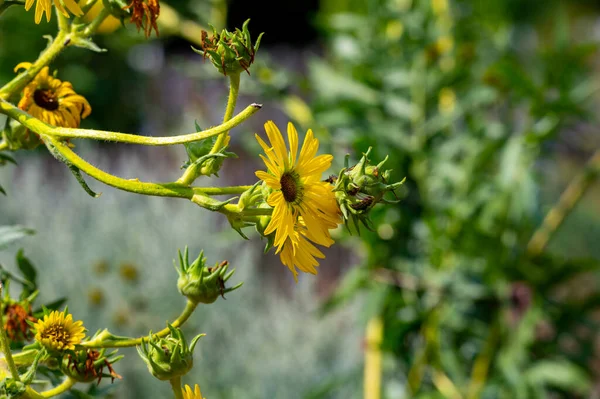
<point x="57" y="331"/>
<point x="45" y="6"/>
<point x="304" y="206"/>
<point x="52" y="100"/>
<point x="189" y="394"/>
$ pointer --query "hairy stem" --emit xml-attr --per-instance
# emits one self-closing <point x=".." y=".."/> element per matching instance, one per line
<point x="108" y="340"/>
<point x="191" y="173"/>
<point x="60" y="42"/>
<point x="234" y="88"/>
<point x="47" y="56"/>
<point x="57" y="390"/>
<point x="42" y="128"/>
<point x="569" y="198"/>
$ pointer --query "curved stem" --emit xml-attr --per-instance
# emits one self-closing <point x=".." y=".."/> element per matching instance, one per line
<point x="564" y="206"/>
<point x="107" y="340"/>
<point x="47" y="56"/>
<point x="57" y="390"/>
<point x="60" y="42"/>
<point x="42" y="128"/>
<point x="134" y="186"/>
<point x="176" y="386"/>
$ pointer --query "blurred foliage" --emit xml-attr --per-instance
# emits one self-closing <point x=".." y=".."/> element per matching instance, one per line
<point x="465" y="97"/>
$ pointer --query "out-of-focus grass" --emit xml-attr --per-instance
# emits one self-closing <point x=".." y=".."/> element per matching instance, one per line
<point x="259" y="343"/>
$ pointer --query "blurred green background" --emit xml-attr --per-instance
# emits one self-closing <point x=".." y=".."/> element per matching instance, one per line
<point x="488" y="108"/>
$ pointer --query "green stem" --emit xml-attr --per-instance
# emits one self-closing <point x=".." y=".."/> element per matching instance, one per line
<point x="3" y="145"/>
<point x="63" y="387"/>
<point x="60" y="42"/>
<point x="95" y="24"/>
<point x="63" y="22"/>
<point x="6" y="347"/>
<point x="108" y="340"/>
<point x="222" y="190"/>
<point x="191" y="172"/>
<point x="18" y="83"/>
<point x="568" y="199"/>
<point x="234" y="88"/>
<point x="176" y="386"/>
<point x="134" y="186"/>
<point x="42" y="128"/>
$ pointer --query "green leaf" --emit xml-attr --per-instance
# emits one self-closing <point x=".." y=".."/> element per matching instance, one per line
<point x="27" y="268"/>
<point x="9" y="234"/>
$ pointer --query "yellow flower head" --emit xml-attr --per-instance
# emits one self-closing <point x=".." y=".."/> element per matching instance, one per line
<point x="57" y="331"/>
<point x="52" y="100"/>
<point x="45" y="6"/>
<point x="189" y="394"/>
<point x="304" y="207"/>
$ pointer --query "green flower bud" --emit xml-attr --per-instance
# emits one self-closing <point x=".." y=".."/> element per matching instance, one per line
<point x="202" y="284"/>
<point x="230" y="52"/>
<point x="360" y="187"/>
<point x="168" y="357"/>
<point x="88" y="365"/>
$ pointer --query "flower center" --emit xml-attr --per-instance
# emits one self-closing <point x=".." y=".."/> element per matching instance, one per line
<point x="46" y="99"/>
<point x="289" y="187"/>
<point x="57" y="334"/>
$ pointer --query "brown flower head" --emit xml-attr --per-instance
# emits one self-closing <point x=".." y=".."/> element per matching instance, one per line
<point x="144" y="14"/>
<point x="16" y="325"/>
<point x="88" y="365"/>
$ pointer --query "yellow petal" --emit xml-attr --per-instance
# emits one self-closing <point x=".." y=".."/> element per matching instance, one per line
<point x="293" y="140"/>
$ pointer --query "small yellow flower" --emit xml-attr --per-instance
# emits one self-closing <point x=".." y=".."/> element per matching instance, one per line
<point x="52" y="100"/>
<point x="57" y="331"/>
<point x="45" y="6"/>
<point x="189" y="394"/>
<point x="304" y="207"/>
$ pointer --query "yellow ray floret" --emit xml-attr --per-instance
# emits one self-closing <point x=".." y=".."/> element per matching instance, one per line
<point x="45" y="6"/>
<point x="57" y="331"/>
<point x="304" y="207"/>
<point x="189" y="394"/>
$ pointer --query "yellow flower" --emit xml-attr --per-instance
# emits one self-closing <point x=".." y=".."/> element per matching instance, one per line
<point x="189" y="394"/>
<point x="52" y="100"/>
<point x="46" y="6"/>
<point x="304" y="206"/>
<point x="57" y="331"/>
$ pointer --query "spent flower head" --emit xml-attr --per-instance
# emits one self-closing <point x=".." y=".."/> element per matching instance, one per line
<point x="87" y="365"/>
<point x="202" y="284"/>
<point x="168" y="357"/>
<point x="58" y="332"/>
<point x="230" y="52"/>
<point x="144" y="14"/>
<point x="18" y="320"/>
